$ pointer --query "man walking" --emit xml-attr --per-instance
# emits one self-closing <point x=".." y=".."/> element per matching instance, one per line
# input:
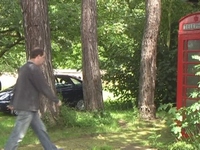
<point x="30" y="85"/>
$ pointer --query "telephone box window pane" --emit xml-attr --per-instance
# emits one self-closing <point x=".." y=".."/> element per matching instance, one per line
<point x="190" y="57"/>
<point x="192" y="80"/>
<point x="189" y="102"/>
<point x="194" y="45"/>
<point x="191" y="69"/>
<point x="192" y="92"/>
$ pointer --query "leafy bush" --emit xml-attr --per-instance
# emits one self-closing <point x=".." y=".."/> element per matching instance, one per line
<point x="70" y="117"/>
<point x="185" y="124"/>
<point x="181" y="146"/>
<point x="108" y="118"/>
<point x="105" y="147"/>
<point x="119" y="104"/>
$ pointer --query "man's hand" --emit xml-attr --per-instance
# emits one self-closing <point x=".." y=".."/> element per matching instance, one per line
<point x="10" y="107"/>
<point x="59" y="103"/>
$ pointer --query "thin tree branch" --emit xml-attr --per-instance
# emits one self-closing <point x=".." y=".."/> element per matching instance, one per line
<point x="9" y="46"/>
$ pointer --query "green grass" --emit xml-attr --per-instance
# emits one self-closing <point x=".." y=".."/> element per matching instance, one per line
<point x="6" y="125"/>
<point x="93" y="131"/>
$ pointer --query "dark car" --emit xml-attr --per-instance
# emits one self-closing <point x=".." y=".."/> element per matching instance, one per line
<point x="69" y="89"/>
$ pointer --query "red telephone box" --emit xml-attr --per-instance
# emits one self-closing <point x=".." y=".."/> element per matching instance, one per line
<point x="188" y="46"/>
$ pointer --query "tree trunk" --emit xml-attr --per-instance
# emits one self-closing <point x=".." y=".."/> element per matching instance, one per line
<point x="37" y="34"/>
<point x="92" y="86"/>
<point x="148" y="60"/>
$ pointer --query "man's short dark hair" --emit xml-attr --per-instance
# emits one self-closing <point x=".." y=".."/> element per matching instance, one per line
<point x="35" y="52"/>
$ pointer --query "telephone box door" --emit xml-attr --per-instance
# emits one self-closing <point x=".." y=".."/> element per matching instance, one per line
<point x="189" y="79"/>
<point x="188" y="60"/>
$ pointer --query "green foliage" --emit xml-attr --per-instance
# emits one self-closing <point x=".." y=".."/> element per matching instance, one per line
<point x="189" y="120"/>
<point x="166" y="76"/>
<point x="119" y="104"/>
<point x="154" y="139"/>
<point x="122" y="56"/>
<point x="65" y="32"/>
<point x="12" y="52"/>
<point x="120" y="51"/>
<point x="181" y="145"/>
<point x="70" y="118"/>
<point x="67" y="116"/>
<point x="104" y="147"/>
<point x="65" y="35"/>
<point x="184" y="125"/>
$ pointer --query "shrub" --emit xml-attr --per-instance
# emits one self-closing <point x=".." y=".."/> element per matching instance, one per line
<point x="181" y="145"/>
<point x="185" y="125"/>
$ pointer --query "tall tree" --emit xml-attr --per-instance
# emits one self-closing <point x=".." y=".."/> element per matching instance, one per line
<point x="37" y="34"/>
<point x="148" y="59"/>
<point x="92" y="87"/>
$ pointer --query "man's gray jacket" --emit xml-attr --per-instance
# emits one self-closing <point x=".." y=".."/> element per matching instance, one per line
<point x="30" y="84"/>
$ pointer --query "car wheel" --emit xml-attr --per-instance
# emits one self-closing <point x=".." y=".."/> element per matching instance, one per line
<point x="80" y="105"/>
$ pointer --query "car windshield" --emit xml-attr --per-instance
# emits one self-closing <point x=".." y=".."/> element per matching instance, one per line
<point x="66" y="81"/>
<point x="75" y="81"/>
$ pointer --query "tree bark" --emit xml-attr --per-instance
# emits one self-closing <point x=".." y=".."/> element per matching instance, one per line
<point x="92" y="86"/>
<point x="37" y="34"/>
<point x="148" y="60"/>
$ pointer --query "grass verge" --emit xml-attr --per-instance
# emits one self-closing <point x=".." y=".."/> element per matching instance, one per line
<point x="91" y="131"/>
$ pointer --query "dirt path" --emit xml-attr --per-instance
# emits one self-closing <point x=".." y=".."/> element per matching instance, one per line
<point x="115" y="142"/>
